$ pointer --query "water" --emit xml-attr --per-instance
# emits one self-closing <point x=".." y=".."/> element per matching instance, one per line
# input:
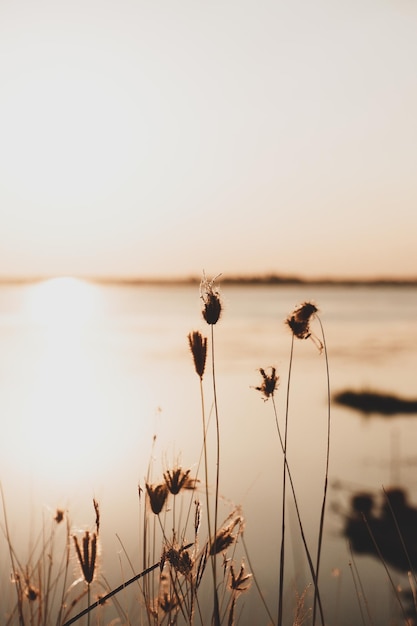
<point x="90" y="374"/>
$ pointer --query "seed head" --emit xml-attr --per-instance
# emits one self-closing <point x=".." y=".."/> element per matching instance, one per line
<point x="299" y="322"/>
<point x="241" y="581"/>
<point x="177" y="479"/>
<point x="198" y="347"/>
<point x="305" y="311"/>
<point x="31" y="593"/>
<point x="269" y="383"/>
<point x="167" y="602"/>
<point x="59" y="516"/>
<point x="97" y="511"/>
<point x="210" y="296"/>
<point x="87" y="555"/>
<point x="179" y="559"/>
<point x="157" y="495"/>
<point x="225" y="537"/>
<point x="197" y="516"/>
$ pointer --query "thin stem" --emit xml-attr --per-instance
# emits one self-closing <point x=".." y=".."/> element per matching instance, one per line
<point x="66" y="557"/>
<point x="255" y="580"/>
<point x="400" y="535"/>
<point x="205" y="456"/>
<point x="297" y="510"/>
<point x="88" y="603"/>
<point x="216" y="613"/>
<point x="323" y="506"/>
<point x="211" y="534"/>
<point x="284" y="485"/>
<point x="16" y="575"/>
<point x="381" y="557"/>
<point x="360" y="592"/>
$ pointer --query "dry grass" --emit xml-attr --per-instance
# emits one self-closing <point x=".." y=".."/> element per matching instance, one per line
<point x="194" y="569"/>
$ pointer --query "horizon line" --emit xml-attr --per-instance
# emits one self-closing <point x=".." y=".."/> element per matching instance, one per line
<point x="268" y="278"/>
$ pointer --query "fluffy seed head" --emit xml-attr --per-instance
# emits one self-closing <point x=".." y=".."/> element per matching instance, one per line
<point x="180" y="560"/>
<point x="269" y="383"/>
<point x="299" y="323"/>
<point x="210" y="296"/>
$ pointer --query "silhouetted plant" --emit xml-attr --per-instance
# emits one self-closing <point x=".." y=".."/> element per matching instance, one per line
<point x="212" y="308"/>
<point x="299" y="323"/>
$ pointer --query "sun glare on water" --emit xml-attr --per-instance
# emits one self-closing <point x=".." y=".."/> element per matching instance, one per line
<point x="63" y="414"/>
<point x="60" y="302"/>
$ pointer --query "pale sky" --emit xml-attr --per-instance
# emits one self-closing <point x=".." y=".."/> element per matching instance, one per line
<point x="163" y="137"/>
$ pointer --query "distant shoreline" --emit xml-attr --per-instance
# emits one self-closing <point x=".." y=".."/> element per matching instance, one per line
<point x="262" y="280"/>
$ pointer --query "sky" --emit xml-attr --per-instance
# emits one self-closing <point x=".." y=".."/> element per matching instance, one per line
<point x="161" y="138"/>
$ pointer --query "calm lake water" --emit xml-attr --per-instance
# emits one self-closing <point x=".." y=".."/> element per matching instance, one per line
<point x="91" y="374"/>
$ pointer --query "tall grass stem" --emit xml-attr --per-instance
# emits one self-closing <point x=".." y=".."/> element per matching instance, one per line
<point x="326" y="475"/>
<point x="216" y="609"/>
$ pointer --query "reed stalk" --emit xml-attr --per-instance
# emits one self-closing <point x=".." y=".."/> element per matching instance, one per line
<point x="326" y="473"/>
<point x="284" y="486"/>
<point x="299" y="324"/>
<point x="381" y="557"/>
<point x="211" y="311"/>
<point x="216" y="614"/>
<point x="16" y="576"/>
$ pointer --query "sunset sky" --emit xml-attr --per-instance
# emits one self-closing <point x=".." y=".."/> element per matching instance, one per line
<point x="163" y="137"/>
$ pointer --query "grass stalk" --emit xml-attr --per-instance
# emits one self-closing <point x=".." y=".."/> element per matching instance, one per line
<point x="261" y="595"/>
<point x="401" y="537"/>
<point x="216" y="608"/>
<point x="284" y="486"/>
<point x="326" y="475"/>
<point x="297" y="511"/>
<point x="359" y="590"/>
<point x="16" y="575"/>
<point x="381" y="557"/>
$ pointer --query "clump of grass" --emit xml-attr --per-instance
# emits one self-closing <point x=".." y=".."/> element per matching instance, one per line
<point x="175" y="588"/>
<point x="40" y="583"/>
